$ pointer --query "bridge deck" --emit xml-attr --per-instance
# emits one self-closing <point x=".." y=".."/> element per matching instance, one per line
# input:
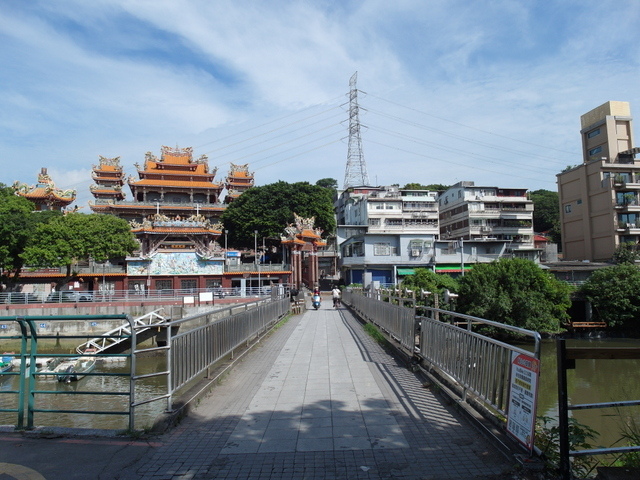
<point x="320" y="399"/>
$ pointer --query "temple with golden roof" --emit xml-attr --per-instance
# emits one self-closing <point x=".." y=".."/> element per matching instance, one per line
<point x="174" y="213"/>
<point x="44" y="194"/>
<point x="174" y="185"/>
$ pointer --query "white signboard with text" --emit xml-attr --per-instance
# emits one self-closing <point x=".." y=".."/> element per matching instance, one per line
<point x="523" y="398"/>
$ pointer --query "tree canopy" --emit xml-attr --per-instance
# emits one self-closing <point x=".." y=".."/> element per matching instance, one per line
<point x="270" y="208"/>
<point x="426" y="279"/>
<point x="626" y="252"/>
<point x="613" y="293"/>
<point x="328" y="183"/>
<point x="516" y="292"/>
<point x="546" y="213"/>
<point x="17" y="224"/>
<point x="434" y="187"/>
<point x="67" y="239"/>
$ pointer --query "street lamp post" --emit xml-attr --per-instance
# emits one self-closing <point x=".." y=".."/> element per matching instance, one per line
<point x="255" y="256"/>
<point x="226" y="232"/>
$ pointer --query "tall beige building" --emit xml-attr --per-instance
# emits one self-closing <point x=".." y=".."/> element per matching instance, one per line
<point x="599" y="203"/>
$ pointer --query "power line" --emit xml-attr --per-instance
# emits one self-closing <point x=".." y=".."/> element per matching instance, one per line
<point x="471" y="127"/>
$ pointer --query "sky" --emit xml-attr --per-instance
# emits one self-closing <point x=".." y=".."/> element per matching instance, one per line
<point x="489" y="91"/>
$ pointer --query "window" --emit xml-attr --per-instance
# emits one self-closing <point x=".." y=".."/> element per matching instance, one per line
<point x="593" y="133"/>
<point x="595" y="150"/>
<point x="164" y="284"/>
<point x="567" y="208"/>
<point x="188" y="284"/>
<point x="374" y="222"/>
<point x="382" y="249"/>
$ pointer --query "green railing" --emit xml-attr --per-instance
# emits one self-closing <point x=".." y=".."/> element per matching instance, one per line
<point x="24" y="401"/>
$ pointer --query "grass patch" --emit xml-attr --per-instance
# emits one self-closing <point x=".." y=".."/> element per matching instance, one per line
<point x="284" y="320"/>
<point x="374" y="333"/>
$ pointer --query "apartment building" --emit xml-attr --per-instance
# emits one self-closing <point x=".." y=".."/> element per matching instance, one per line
<point x="497" y="221"/>
<point x="599" y="208"/>
<point x="385" y="232"/>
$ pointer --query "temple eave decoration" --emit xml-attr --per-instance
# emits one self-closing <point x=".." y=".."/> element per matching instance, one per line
<point x="45" y="192"/>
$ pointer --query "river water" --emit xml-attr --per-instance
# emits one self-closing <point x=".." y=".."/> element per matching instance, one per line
<point x="591" y="382"/>
<point x="72" y="396"/>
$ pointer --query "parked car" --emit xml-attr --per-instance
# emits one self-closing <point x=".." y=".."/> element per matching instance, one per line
<point x="19" y="297"/>
<point x="69" y="296"/>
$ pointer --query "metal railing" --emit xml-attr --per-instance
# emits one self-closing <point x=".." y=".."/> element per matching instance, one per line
<point x="23" y="402"/>
<point x="204" y="339"/>
<point x="479" y="364"/>
<point x="397" y="320"/>
<point x="210" y="337"/>
<point x="470" y="362"/>
<point x="106" y="295"/>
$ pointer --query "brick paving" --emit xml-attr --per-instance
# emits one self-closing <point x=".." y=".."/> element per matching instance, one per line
<point x="319" y="399"/>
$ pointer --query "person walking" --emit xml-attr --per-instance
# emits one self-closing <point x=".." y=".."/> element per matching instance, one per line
<point x="335" y="293"/>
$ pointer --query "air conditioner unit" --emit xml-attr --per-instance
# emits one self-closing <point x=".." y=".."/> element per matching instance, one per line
<point x="415" y="252"/>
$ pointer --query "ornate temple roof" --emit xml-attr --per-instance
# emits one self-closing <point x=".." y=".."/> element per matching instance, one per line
<point x="108" y="165"/>
<point x="45" y="193"/>
<point x="109" y="179"/>
<point x="303" y="231"/>
<point x="238" y="180"/>
<point x="175" y="169"/>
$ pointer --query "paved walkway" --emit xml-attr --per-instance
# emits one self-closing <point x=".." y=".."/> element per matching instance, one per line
<point x="317" y="399"/>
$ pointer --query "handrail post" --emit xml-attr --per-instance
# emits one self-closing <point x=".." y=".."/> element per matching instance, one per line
<point x="563" y="410"/>
<point x="33" y="350"/>
<point x="169" y="369"/>
<point x="132" y="363"/>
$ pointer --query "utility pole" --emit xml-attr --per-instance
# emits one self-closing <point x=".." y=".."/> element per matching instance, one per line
<point x="356" y="171"/>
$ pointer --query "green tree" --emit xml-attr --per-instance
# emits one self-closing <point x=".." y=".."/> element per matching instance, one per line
<point x="428" y="280"/>
<point x="17" y="224"/>
<point x="434" y="187"/>
<point x="613" y="293"/>
<point x="546" y="213"/>
<point x="270" y="208"/>
<point x="516" y="292"/>
<point x="65" y="240"/>
<point x="328" y="183"/>
<point x="626" y="253"/>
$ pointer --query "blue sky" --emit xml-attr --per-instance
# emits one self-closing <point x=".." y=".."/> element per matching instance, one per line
<point x="488" y="91"/>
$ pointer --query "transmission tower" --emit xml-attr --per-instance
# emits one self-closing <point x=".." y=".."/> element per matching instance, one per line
<point x="356" y="171"/>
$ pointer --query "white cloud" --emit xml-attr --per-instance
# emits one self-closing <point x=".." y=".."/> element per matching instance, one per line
<point x="121" y="78"/>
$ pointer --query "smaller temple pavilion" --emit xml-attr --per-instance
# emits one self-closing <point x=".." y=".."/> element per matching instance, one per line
<point x="109" y="178"/>
<point x="238" y="180"/>
<point x="303" y="241"/>
<point x="44" y="194"/>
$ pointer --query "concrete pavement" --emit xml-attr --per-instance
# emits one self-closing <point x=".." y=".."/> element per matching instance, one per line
<point x="317" y="399"/>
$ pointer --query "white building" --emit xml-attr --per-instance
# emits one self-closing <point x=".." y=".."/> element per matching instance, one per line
<point x="385" y="231"/>
<point x="498" y="220"/>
